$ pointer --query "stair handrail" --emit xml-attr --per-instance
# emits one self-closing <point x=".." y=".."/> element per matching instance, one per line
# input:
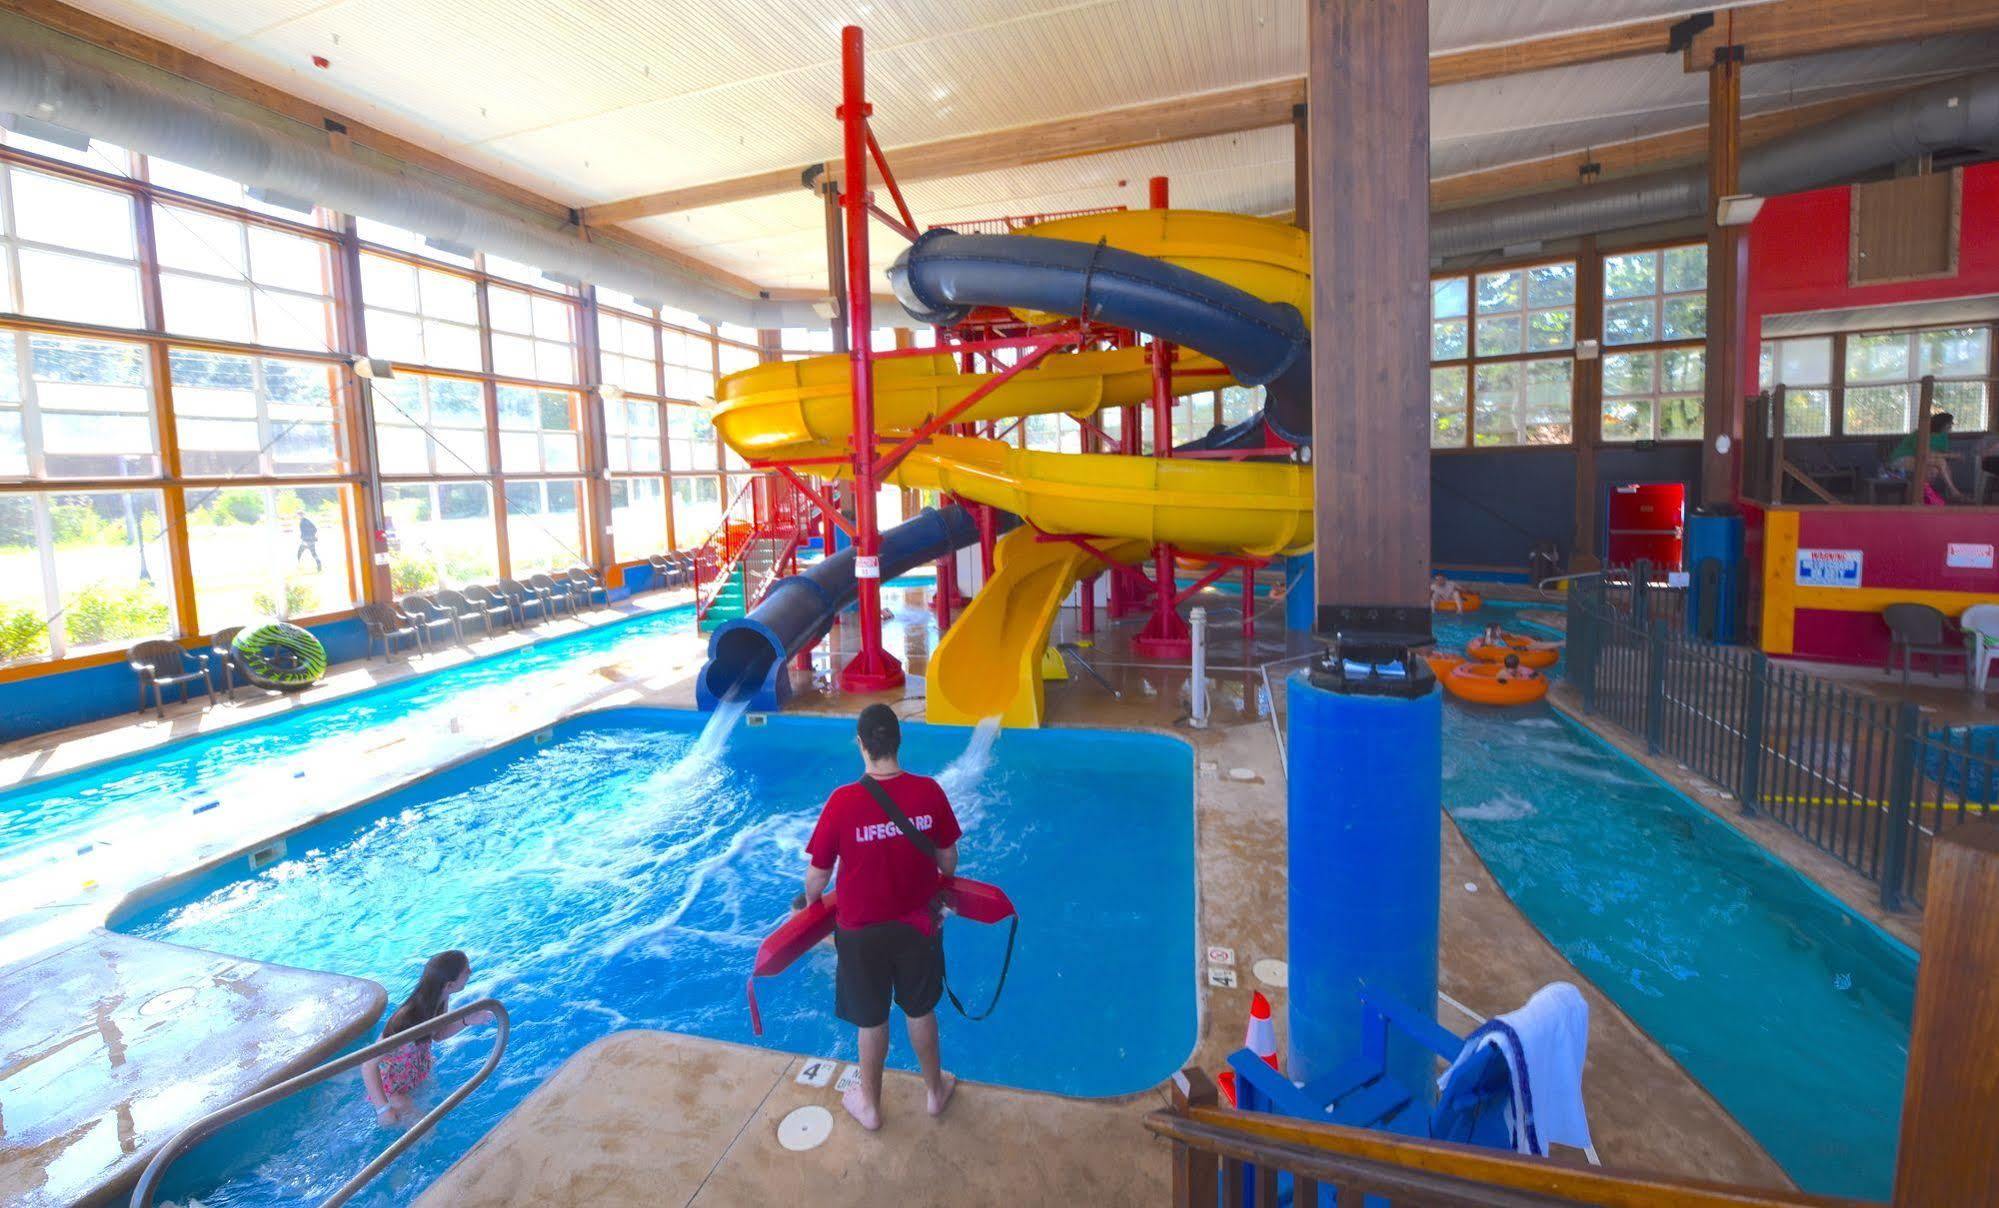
<point x="793" y="536"/>
<point x="1214" y="1146"/>
<point x="724" y="565"/>
<point x="178" y="1144"/>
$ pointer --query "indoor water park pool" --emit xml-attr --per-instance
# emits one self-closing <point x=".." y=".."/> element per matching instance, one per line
<point x="619" y="870"/>
<point x="190" y="770"/>
<point x="1789" y="1008"/>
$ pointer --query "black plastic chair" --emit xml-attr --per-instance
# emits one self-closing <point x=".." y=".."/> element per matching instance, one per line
<point x="523" y="600"/>
<point x="492" y="604"/>
<point x="161" y="665"/>
<point x="387" y="624"/>
<point x="222" y="653"/>
<point x="431" y="619"/>
<point x="1915" y="629"/>
<point x="556" y="594"/>
<point x="586" y="586"/>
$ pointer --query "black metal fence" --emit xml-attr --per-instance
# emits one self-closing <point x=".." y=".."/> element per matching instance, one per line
<point x="1866" y="779"/>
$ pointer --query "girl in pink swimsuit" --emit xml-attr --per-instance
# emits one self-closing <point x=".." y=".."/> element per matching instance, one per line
<point x="390" y="1079"/>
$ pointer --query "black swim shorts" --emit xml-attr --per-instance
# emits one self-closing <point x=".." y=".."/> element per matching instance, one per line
<point x="882" y="961"/>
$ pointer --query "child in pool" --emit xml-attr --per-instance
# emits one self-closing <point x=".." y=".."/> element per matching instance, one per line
<point x="1515" y="671"/>
<point x="389" y="1079"/>
<point x="1443" y="592"/>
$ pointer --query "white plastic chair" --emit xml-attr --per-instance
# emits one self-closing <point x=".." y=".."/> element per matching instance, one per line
<point x="1980" y="623"/>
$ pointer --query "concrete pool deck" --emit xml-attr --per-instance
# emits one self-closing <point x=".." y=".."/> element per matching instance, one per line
<point x="110" y="1045"/>
<point x="641" y="1113"/>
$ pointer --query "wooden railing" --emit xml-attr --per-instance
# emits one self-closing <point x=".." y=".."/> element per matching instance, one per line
<point x="1221" y="1156"/>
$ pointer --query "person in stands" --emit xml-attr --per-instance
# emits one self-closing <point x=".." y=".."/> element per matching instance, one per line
<point x="1902" y="460"/>
<point x="892" y="837"/>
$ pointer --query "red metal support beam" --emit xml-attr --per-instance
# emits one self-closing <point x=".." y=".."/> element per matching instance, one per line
<point x="825" y="505"/>
<point x="1165" y="636"/>
<point x="872" y="669"/>
<point x="888" y="181"/>
<point x="937" y="423"/>
<point x="892" y="222"/>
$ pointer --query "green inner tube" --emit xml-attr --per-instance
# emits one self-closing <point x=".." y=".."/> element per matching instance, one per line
<point x="281" y="656"/>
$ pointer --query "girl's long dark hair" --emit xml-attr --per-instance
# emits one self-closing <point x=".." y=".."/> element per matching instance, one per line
<point x="427" y="1001"/>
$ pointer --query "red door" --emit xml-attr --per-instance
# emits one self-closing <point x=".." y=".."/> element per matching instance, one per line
<point x="1648" y="521"/>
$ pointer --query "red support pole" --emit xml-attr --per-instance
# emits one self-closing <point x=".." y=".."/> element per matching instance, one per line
<point x="1248" y="610"/>
<point x="872" y="669"/>
<point x="1165" y="636"/>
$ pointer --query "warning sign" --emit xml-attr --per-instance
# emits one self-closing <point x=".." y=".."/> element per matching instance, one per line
<point x="866" y="567"/>
<point x="1828" y="568"/>
<point x="1968" y="555"/>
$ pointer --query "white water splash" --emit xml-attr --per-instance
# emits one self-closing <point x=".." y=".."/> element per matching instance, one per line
<point x="962" y="777"/>
<point x="702" y="757"/>
<point x="1507" y="807"/>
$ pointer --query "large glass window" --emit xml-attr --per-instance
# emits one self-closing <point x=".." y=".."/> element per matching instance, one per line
<point x="638" y="517"/>
<point x="630" y="356"/>
<point x="697" y="508"/>
<point x="1803" y="367"/>
<point x="1492" y="380"/>
<point x="233" y="279"/>
<point x="690" y="364"/>
<point x="690" y="439"/>
<point x="82" y="572"/>
<point x="72" y="249"/>
<point x="533" y="335"/>
<point x="75" y="408"/>
<point x="440" y="534"/>
<point x="420" y="315"/>
<point x="1884" y="372"/>
<point x="544" y="525"/>
<point x="244" y="416"/>
<point x="538" y="431"/>
<point x="430" y="425"/>
<point x="631" y="431"/>
<point x="270" y="551"/>
<point x="1654" y="358"/>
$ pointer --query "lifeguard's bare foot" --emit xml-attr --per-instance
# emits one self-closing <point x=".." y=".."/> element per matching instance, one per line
<point x="941" y="1099"/>
<point x="857" y="1107"/>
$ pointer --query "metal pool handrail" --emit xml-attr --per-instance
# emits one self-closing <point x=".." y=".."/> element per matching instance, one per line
<point x="182" y="1141"/>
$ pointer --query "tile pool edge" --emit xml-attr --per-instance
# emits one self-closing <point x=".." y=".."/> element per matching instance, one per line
<point x="44" y="780"/>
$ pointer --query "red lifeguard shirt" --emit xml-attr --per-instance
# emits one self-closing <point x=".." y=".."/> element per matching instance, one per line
<point x="884" y="878"/>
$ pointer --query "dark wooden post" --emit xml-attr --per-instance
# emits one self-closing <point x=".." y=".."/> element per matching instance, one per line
<point x="1722" y="401"/>
<point x="1919" y="474"/>
<point x="1588" y="393"/>
<point x="1952" y="1096"/>
<point x="1301" y="169"/>
<point x="1368" y="116"/>
<point x="836" y="267"/>
<point x="1194" y="1170"/>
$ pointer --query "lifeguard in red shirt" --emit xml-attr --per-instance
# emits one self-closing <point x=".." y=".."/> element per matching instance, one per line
<point x="886" y="913"/>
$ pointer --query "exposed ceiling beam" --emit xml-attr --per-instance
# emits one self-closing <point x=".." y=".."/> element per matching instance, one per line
<point x="131" y="44"/>
<point x="1787" y="29"/>
<point x="1658" y="152"/>
<point x="1226" y="111"/>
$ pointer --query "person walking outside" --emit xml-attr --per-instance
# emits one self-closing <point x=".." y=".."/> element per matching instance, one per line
<point x="892" y="838"/>
<point x="308" y="543"/>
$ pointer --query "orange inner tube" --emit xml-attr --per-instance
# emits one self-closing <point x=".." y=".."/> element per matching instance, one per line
<point x="1492" y="684"/>
<point x="1441" y="661"/>
<point x="1472" y="603"/>
<point x="1486" y="652"/>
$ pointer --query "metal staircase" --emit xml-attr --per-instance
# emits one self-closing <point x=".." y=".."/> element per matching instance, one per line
<point x="755" y="545"/>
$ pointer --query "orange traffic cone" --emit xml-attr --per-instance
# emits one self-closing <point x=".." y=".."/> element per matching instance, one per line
<point x="1259" y="1038"/>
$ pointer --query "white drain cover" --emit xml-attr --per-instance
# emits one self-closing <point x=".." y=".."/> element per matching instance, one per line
<point x="1272" y="972"/>
<point x="805" y="1128"/>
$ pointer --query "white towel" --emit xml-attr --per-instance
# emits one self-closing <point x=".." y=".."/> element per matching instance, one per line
<point x="1545" y="1044"/>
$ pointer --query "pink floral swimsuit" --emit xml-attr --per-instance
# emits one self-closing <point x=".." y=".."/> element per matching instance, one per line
<point x="405" y="1069"/>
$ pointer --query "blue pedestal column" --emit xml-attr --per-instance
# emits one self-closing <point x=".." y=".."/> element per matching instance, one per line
<point x="1299" y="590"/>
<point x="1714" y="575"/>
<point x="1366" y="789"/>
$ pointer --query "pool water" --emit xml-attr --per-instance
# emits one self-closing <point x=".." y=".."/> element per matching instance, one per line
<point x="620" y="872"/>
<point x="197" y="768"/>
<point x="1789" y="1008"/>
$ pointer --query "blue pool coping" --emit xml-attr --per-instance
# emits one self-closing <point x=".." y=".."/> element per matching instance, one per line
<point x="110" y="763"/>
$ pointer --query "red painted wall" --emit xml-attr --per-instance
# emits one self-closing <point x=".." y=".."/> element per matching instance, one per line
<point x="1797" y="261"/>
<point x="1798" y="249"/>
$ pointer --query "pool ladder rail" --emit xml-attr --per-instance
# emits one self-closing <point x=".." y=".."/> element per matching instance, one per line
<point x="156" y="1170"/>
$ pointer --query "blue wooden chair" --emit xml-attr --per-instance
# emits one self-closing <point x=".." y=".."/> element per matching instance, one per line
<point x="1470" y="1109"/>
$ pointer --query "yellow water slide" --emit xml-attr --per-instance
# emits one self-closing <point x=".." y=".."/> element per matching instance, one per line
<point x="989" y="663"/>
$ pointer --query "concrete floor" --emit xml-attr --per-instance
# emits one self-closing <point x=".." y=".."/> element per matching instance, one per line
<point x="110" y="1045"/>
<point x="650" y="1118"/>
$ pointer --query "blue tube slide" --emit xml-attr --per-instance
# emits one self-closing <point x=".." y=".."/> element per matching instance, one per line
<point x="747" y="656"/>
<point x="943" y="275"/>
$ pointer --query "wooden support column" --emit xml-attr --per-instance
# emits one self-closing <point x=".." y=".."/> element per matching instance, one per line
<point x="1301" y="169"/>
<point x="836" y="269"/>
<point x="1588" y="386"/>
<point x="1368" y="114"/>
<point x="1952" y="1094"/>
<point x="1722" y="403"/>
